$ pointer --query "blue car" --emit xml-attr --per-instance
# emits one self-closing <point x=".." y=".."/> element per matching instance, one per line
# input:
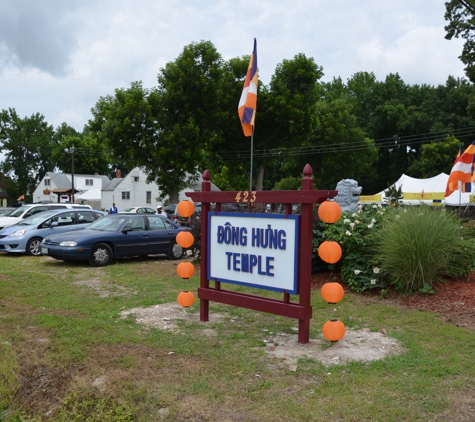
<point x="114" y="236"/>
<point x="26" y="236"/>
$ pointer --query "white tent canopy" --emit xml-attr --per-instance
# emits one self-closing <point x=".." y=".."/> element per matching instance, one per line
<point x="416" y="191"/>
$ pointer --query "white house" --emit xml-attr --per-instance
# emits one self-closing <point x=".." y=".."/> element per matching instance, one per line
<point x="132" y="190"/>
<point x="57" y="187"/>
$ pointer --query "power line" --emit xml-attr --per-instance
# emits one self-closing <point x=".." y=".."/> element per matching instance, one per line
<point x="355" y="146"/>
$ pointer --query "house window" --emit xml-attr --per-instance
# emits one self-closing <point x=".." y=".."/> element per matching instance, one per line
<point x="89" y="182"/>
<point x="125" y="196"/>
<point x="47" y="182"/>
<point x="148" y="200"/>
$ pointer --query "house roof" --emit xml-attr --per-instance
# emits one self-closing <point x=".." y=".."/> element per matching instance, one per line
<point x="112" y="184"/>
<point x="61" y="180"/>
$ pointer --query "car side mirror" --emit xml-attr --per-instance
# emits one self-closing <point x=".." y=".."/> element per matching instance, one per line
<point x="54" y="224"/>
<point x="126" y="229"/>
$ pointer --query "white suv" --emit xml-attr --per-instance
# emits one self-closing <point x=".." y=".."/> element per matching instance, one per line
<point x="28" y="210"/>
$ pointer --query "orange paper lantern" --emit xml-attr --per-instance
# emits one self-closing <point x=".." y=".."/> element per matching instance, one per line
<point x="329" y="211"/>
<point x="185" y="208"/>
<point x="333" y="330"/>
<point x="332" y="292"/>
<point x="186" y="299"/>
<point x="185" y="239"/>
<point x="329" y="251"/>
<point x="185" y="269"/>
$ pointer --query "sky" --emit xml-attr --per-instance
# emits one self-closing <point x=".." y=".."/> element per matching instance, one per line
<point x="58" y="57"/>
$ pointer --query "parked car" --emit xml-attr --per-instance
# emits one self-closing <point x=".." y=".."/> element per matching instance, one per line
<point x="6" y="210"/>
<point x="114" y="236"/>
<point x="139" y="210"/>
<point x="26" y="236"/>
<point x="27" y="210"/>
<point x="170" y="210"/>
<point x="181" y="221"/>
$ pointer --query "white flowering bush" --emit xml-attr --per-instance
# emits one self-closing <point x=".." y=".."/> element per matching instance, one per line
<point x="353" y="231"/>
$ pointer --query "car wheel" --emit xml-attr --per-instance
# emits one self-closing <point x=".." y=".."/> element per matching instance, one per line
<point x="175" y="251"/>
<point x="101" y="255"/>
<point x="33" y="246"/>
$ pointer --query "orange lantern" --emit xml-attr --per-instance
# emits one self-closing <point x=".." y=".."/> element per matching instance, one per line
<point x="332" y="292"/>
<point x="186" y="299"/>
<point x="185" y="239"/>
<point x="330" y="251"/>
<point x="185" y="269"/>
<point x="329" y="211"/>
<point x="185" y="208"/>
<point x="333" y="330"/>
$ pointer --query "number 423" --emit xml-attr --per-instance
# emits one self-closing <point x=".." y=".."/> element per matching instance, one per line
<point x="246" y="196"/>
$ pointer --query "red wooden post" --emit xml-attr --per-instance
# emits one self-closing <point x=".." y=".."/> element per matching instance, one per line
<point x="305" y="255"/>
<point x="204" y="282"/>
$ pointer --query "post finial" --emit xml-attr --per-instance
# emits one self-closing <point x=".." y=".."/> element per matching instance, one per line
<point x="307" y="171"/>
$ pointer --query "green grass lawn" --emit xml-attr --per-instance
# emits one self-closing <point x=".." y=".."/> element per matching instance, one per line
<point x="66" y="354"/>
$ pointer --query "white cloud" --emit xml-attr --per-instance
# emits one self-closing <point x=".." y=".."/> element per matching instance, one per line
<point x="71" y="53"/>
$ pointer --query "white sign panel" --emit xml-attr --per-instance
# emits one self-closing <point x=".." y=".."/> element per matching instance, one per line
<point x="259" y="250"/>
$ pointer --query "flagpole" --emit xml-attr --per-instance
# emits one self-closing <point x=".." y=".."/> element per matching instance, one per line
<point x="252" y="150"/>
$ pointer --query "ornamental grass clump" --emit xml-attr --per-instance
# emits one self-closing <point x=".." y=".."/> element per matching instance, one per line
<point x="419" y="245"/>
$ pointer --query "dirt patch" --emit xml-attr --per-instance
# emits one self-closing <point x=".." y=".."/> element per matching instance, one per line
<point x="361" y="345"/>
<point x="356" y="345"/>
<point x="166" y="317"/>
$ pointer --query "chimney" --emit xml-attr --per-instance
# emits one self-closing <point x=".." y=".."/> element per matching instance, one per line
<point x="118" y="174"/>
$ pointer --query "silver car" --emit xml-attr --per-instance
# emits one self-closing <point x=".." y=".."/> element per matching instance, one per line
<point x="26" y="236"/>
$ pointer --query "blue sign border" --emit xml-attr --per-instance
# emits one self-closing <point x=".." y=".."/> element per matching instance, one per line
<point x="294" y="217"/>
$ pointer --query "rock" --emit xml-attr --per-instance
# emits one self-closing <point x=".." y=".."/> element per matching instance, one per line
<point x="270" y="347"/>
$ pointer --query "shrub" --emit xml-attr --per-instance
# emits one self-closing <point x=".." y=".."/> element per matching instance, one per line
<point x="353" y="231"/>
<point x="419" y="245"/>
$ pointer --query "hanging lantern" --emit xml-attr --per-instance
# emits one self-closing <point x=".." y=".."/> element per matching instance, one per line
<point x="185" y="269"/>
<point x="333" y="330"/>
<point x="185" y="239"/>
<point x="329" y="211"/>
<point x="186" y="299"/>
<point x="185" y="208"/>
<point x="332" y="292"/>
<point x="329" y="251"/>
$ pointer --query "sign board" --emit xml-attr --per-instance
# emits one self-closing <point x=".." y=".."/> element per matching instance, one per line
<point x="257" y="250"/>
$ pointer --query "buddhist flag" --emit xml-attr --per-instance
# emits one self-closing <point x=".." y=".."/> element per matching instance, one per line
<point x="248" y="101"/>
<point x="462" y="175"/>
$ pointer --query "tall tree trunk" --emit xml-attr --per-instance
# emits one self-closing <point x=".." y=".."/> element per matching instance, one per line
<point x="260" y="176"/>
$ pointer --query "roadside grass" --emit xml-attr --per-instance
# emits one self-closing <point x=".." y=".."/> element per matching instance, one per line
<point x="66" y="354"/>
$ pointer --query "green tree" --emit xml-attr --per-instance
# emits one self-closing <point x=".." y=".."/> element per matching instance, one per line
<point x="165" y="129"/>
<point x="436" y="157"/>
<point x="461" y="17"/>
<point x="344" y="152"/>
<point x="90" y="156"/>
<point x="28" y="145"/>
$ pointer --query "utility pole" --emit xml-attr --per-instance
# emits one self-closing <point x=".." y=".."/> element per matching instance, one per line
<point x="72" y="174"/>
<point x="71" y="150"/>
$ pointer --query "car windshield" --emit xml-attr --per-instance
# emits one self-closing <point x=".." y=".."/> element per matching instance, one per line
<point x="37" y="218"/>
<point x="128" y="209"/>
<point x="107" y="224"/>
<point x="19" y="211"/>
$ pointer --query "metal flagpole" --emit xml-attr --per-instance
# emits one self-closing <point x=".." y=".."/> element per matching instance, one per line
<point x="252" y="150"/>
